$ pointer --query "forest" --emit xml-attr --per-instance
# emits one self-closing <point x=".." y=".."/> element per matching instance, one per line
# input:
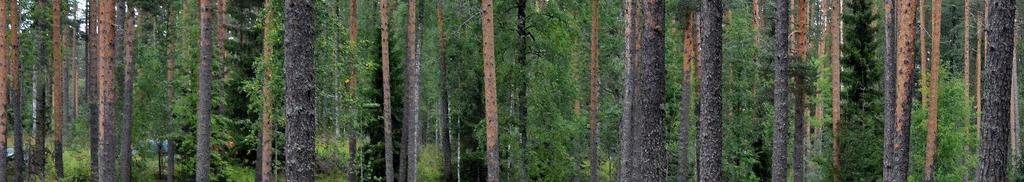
<point x="510" y="90"/>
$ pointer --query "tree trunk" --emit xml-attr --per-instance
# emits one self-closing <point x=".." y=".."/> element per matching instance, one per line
<point x="799" y="129"/>
<point x="3" y="88"/>
<point x="266" y="105"/>
<point x="625" y="129"/>
<point x="710" y="58"/>
<point x="171" y="16"/>
<point x="126" y="109"/>
<point x="490" y="93"/>
<point x="92" y="59"/>
<point x="993" y="153"/>
<point x="386" y="87"/>
<point x="353" y="89"/>
<point x="1014" y="115"/>
<point x="58" y="85"/>
<point x="979" y="53"/>
<point x="780" y="136"/>
<point x="933" y="108"/>
<point x="105" y="82"/>
<point x="648" y="161"/>
<point x="299" y="90"/>
<point x="897" y="133"/>
<point x="446" y="151"/>
<point x="40" y="125"/>
<point x="411" y="100"/>
<point x="922" y="51"/>
<point x="206" y="19"/>
<point x="594" y="34"/>
<point x="14" y="92"/>
<point x="836" y="69"/>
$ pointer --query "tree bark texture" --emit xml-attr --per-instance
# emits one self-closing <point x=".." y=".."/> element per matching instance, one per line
<point x="649" y="162"/>
<point x="105" y="83"/>
<point x="490" y="93"/>
<point x="801" y="24"/>
<point x="58" y="85"/>
<point x="780" y="136"/>
<point x="411" y="98"/>
<point x="594" y="49"/>
<point x="710" y="58"/>
<point x="125" y="172"/>
<point x="299" y="90"/>
<point x="4" y="63"/>
<point x="836" y="69"/>
<point x="933" y="92"/>
<point x="993" y="154"/>
<point x="206" y="32"/>
<point x="897" y="133"/>
<point x="625" y="128"/>
<point x="386" y="87"/>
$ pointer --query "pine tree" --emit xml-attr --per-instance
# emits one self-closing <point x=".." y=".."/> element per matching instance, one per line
<point x="446" y="149"/>
<point x="780" y="136"/>
<point x="897" y="131"/>
<point x="58" y="85"/>
<point x="594" y="27"/>
<point x="126" y="109"/>
<point x="710" y="57"/>
<point x="105" y="82"/>
<point x="649" y="162"/>
<point x="993" y="152"/>
<point x="836" y="69"/>
<point x="490" y="93"/>
<point x="206" y="20"/>
<point x="3" y="87"/>
<point x="933" y="95"/>
<point x="266" y="105"/>
<point x="299" y="90"/>
<point x="386" y="88"/>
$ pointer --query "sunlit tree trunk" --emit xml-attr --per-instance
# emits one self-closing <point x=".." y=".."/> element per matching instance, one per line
<point x="710" y="57"/>
<point x="58" y="85"/>
<point x="897" y="131"/>
<point x="105" y="82"/>
<point x="490" y="93"/>
<point x="993" y="152"/>
<point x="933" y="92"/>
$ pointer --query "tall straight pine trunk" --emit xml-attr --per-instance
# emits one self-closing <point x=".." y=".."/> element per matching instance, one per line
<point x="386" y="89"/>
<point x="4" y="60"/>
<point x="994" y="152"/>
<point x="710" y="57"/>
<point x="490" y="93"/>
<point x="125" y="170"/>
<point x="933" y="92"/>
<point x="780" y="136"/>
<point x="446" y="146"/>
<point x="897" y="132"/>
<point x="299" y="90"/>
<point x="594" y="28"/>
<point x="800" y="128"/>
<point x="836" y="69"/>
<point x="411" y="99"/>
<point x="58" y="86"/>
<point x="105" y="84"/>
<point x="206" y="8"/>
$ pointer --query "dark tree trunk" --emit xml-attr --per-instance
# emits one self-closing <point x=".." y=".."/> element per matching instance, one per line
<point x="710" y="58"/>
<point x="800" y="91"/>
<point x="40" y="125"/>
<point x="126" y="109"/>
<point x="205" y="71"/>
<point x="649" y="161"/>
<point x="446" y="144"/>
<point x="490" y="93"/>
<point x="594" y="34"/>
<point x="411" y="100"/>
<point x="780" y="136"/>
<point x="222" y="34"/>
<point x="685" y="110"/>
<point x="105" y="82"/>
<point x="58" y="85"/>
<point x="386" y="87"/>
<point x="92" y="92"/>
<point x="299" y="90"/>
<point x="897" y="133"/>
<point x="266" y="106"/>
<point x="994" y="152"/>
